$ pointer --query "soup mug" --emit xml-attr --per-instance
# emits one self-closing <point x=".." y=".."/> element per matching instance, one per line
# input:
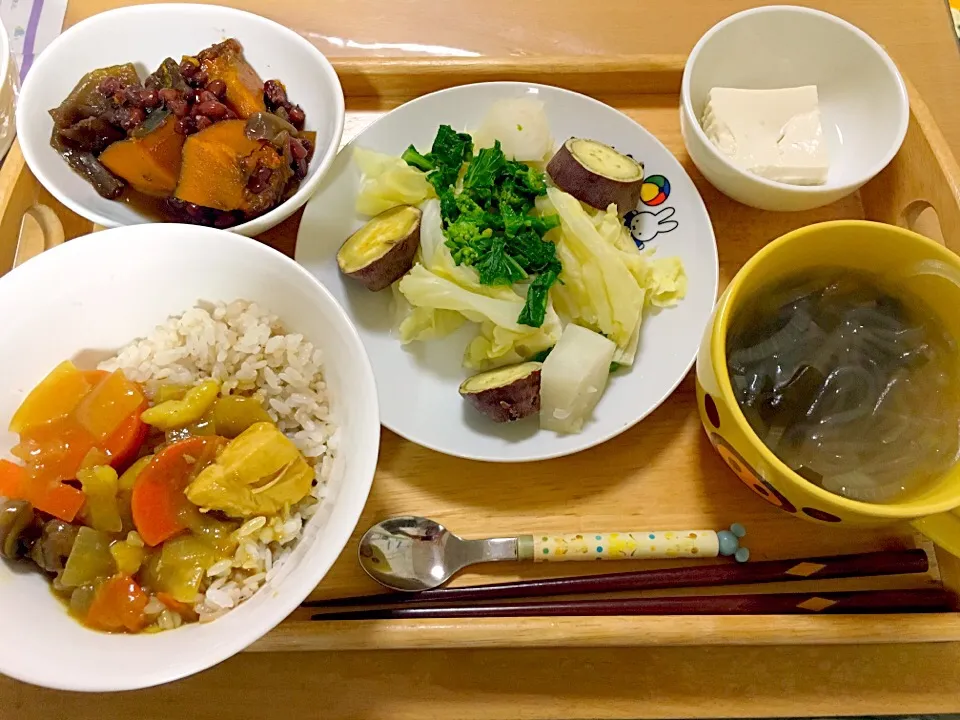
<point x="920" y="266"/>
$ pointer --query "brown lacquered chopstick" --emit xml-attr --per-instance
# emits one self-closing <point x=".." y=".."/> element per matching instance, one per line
<point x="871" y="601"/>
<point x="897" y="562"/>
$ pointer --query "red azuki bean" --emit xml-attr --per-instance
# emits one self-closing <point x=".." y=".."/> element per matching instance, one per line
<point x="218" y="88"/>
<point x="301" y="169"/>
<point x="185" y="126"/>
<point x="206" y="96"/>
<point x="149" y="98"/>
<point x="297" y="150"/>
<point x="132" y="96"/>
<point x="202" y="122"/>
<point x="223" y="219"/>
<point x="297" y="116"/>
<point x="110" y="86"/>
<point x="214" y="110"/>
<point x="180" y="108"/>
<point x="274" y="93"/>
<point x="168" y="94"/>
<point x="129" y="118"/>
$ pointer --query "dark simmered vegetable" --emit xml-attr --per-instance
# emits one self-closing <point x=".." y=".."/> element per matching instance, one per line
<point x="381" y="251"/>
<point x="52" y="548"/>
<point x="270" y="127"/>
<point x="505" y="394"/>
<point x="16" y="516"/>
<point x="597" y="175"/>
<point x="86" y="100"/>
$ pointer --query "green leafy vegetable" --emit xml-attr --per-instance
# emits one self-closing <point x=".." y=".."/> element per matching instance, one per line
<point x="497" y="267"/>
<point x="540" y="356"/>
<point x="535" y="309"/>
<point x="412" y="157"/>
<point x="488" y="221"/>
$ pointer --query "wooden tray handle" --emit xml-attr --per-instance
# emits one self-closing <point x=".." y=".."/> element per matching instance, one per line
<point x="920" y="188"/>
<point x="40" y="229"/>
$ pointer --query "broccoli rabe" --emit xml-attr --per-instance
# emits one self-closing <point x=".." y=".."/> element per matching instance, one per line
<point x="497" y="267"/>
<point x="487" y="220"/>
<point x="411" y="156"/>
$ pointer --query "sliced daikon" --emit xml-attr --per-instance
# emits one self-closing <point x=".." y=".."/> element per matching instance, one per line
<point x="573" y="379"/>
<point x="520" y="124"/>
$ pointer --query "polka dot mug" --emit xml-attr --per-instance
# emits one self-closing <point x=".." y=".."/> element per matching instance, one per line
<point x="857" y="245"/>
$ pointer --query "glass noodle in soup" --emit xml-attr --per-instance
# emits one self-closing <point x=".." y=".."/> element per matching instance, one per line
<point x="851" y="382"/>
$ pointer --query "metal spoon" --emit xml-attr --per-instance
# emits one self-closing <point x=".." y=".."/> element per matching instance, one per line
<point x="416" y="553"/>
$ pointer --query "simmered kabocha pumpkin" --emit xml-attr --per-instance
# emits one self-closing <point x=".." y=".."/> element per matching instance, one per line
<point x="225" y="62"/>
<point x="219" y="164"/>
<point x="150" y="158"/>
<point x="204" y="140"/>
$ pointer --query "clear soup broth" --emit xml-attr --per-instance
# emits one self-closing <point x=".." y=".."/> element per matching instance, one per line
<point x="851" y="382"/>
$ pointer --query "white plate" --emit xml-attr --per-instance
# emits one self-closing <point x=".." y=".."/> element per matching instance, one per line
<point x="417" y="384"/>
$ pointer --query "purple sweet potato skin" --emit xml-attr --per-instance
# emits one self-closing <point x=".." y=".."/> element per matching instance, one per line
<point x="389" y="268"/>
<point x="594" y="190"/>
<point x="508" y="403"/>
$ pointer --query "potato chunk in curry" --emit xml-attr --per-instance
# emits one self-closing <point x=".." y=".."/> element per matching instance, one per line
<point x="258" y="473"/>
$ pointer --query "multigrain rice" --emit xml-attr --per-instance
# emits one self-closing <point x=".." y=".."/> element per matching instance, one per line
<point x="247" y="350"/>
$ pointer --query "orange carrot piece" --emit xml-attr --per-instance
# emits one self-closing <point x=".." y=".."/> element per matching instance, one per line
<point x="55" y="498"/>
<point x="118" y="605"/>
<point x="125" y="442"/>
<point x="157" y="500"/>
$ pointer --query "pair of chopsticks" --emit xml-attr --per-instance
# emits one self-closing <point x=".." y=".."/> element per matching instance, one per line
<point x="488" y="600"/>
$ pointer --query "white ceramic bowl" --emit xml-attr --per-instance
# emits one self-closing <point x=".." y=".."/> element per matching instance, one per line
<point x="863" y="99"/>
<point x="145" y="35"/>
<point x="102" y="292"/>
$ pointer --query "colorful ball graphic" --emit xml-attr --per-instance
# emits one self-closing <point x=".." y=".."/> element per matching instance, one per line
<point x="655" y="190"/>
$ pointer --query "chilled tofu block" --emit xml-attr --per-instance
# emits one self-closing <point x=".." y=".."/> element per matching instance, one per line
<point x="775" y="134"/>
<point x="573" y="378"/>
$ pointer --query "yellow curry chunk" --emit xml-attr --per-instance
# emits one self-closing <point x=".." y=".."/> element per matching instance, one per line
<point x="173" y="414"/>
<point x="258" y="473"/>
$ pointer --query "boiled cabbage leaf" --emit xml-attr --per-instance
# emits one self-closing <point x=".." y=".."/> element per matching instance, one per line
<point x="387" y="181"/>
<point x="598" y="255"/>
<point x="598" y="290"/>
<point x="423" y="323"/>
<point x="502" y="340"/>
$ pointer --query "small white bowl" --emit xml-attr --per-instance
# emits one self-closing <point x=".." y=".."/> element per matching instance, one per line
<point x="145" y="35"/>
<point x="863" y="99"/>
<point x="100" y="293"/>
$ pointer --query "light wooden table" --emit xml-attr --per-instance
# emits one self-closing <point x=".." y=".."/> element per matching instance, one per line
<point x="627" y="683"/>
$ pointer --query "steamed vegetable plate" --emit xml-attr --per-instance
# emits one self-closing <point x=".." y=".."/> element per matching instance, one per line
<point x="127" y="499"/>
<point x="202" y="141"/>
<point x="524" y="242"/>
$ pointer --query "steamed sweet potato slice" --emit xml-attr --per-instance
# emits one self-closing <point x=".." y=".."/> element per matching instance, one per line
<point x="225" y="62"/>
<point x="151" y="162"/>
<point x="218" y="163"/>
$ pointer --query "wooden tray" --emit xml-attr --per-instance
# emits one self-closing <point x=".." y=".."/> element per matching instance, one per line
<point x="660" y="474"/>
